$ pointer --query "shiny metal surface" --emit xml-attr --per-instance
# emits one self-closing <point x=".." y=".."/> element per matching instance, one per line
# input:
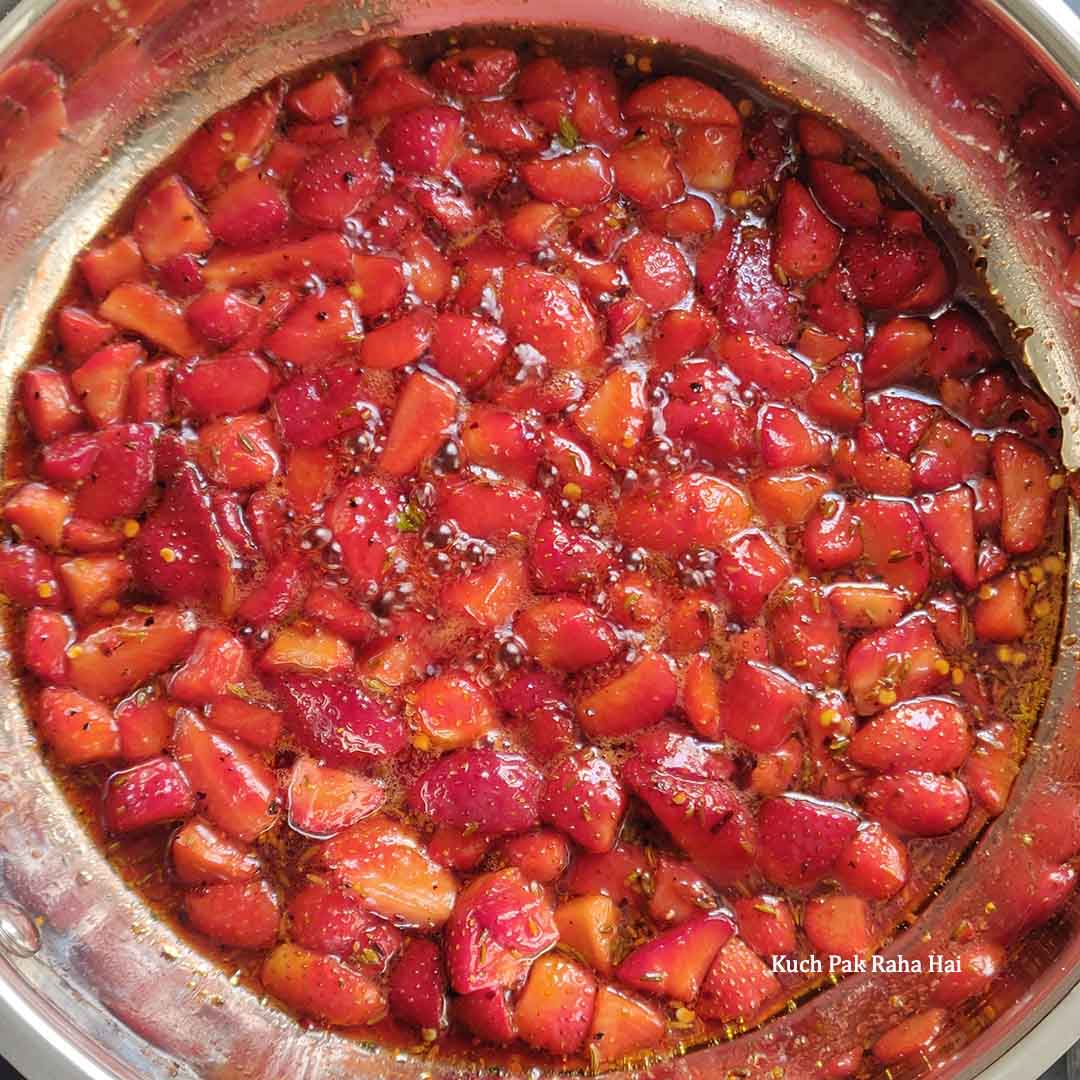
<point x="112" y="991"/>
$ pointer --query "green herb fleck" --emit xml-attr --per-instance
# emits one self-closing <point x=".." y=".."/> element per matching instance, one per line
<point x="568" y="134"/>
<point x="411" y="519"/>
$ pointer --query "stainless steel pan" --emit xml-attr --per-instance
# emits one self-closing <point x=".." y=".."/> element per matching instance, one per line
<point x="90" y="984"/>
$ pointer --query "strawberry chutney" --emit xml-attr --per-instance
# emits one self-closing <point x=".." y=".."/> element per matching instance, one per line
<point x="521" y="557"/>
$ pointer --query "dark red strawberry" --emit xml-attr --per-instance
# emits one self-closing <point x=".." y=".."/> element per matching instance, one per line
<point x="489" y="791"/>
<point x="849" y="197"/>
<point x="1023" y="477"/>
<point x="704" y="817"/>
<point x="313" y="409"/>
<point x="179" y="553"/>
<point x="584" y="799"/>
<point x="806" y="244"/>
<point x="895" y="664"/>
<point x="417" y="986"/>
<point x="339" y="722"/>
<point x="949" y="519"/>
<point x="800" y="839"/>
<point x="962" y="345"/>
<point x="894" y="544"/>
<point x="750" y="566"/>
<point x="336" y="182"/>
<point x="498" y="927"/>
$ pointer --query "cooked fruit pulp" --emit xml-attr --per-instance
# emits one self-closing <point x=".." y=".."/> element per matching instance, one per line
<point x="504" y="549"/>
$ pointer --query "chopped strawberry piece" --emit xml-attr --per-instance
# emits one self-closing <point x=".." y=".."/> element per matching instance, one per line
<point x="498" y="927"/>
<point x="236" y="914"/>
<point x="487" y="790"/>
<point x="838" y="925"/>
<point x="78" y="729"/>
<point x="168" y="223"/>
<point x="646" y="173"/>
<point x="738" y="984"/>
<point x="806" y="244"/>
<point x="836" y="396"/>
<point x="46" y="637"/>
<point x="1000" y="613"/>
<point x="336" y="182"/>
<point x="614" y="417"/>
<point x="579" y="179"/>
<point x="758" y="706"/>
<point x="322" y="987"/>
<point x="217" y="660"/>
<point x="766" y="924"/>
<point x="585" y="800"/>
<point x="152" y="315"/>
<point x="427" y="406"/>
<point x="417" y="986"/>
<point x="708" y="155"/>
<point x="962" y="346"/>
<point x="704" y="817"/>
<point x="750" y="300"/>
<point x="805" y="635"/>
<point x="566" y="634"/>
<point x="750" y="566"/>
<point x="704" y="408"/>
<point x="151" y="793"/>
<point x="675" y="963"/>
<point x="313" y="409"/>
<point x="893" y="665"/>
<point x="874" y="863"/>
<point x="202" y="855"/>
<point x="949" y="520"/>
<point x="541" y="310"/>
<point x="564" y="561"/>
<point x="555" y="1009"/>
<point x="894" y="543"/>
<point x="102" y="382"/>
<point x="1023" y="477"/>
<point x="323" y="801"/>
<point x="760" y="362"/>
<point x="467" y="350"/>
<point x="179" y="553"/>
<point x="50" y="403"/>
<point x="691" y="509"/>
<point x="338" y="722"/>
<point x="331" y="920"/>
<point x="929" y="734"/>
<point x="788" y="442"/>
<point x="541" y="855"/>
<point x="800" y="839"/>
<point x="117" y="658"/>
<point x="788" y="498"/>
<point x="233" y="786"/>
<point x="832" y="537"/>
<point x="657" y="271"/>
<point x="866" y="607"/>
<point x="886" y="267"/>
<point x="918" y="803"/>
<point x="643" y="694"/>
<point x="108" y="265"/>
<point x="849" y="197"/>
<point x="325" y="254"/>
<point x="385" y="864"/>
<point x="899" y="421"/>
